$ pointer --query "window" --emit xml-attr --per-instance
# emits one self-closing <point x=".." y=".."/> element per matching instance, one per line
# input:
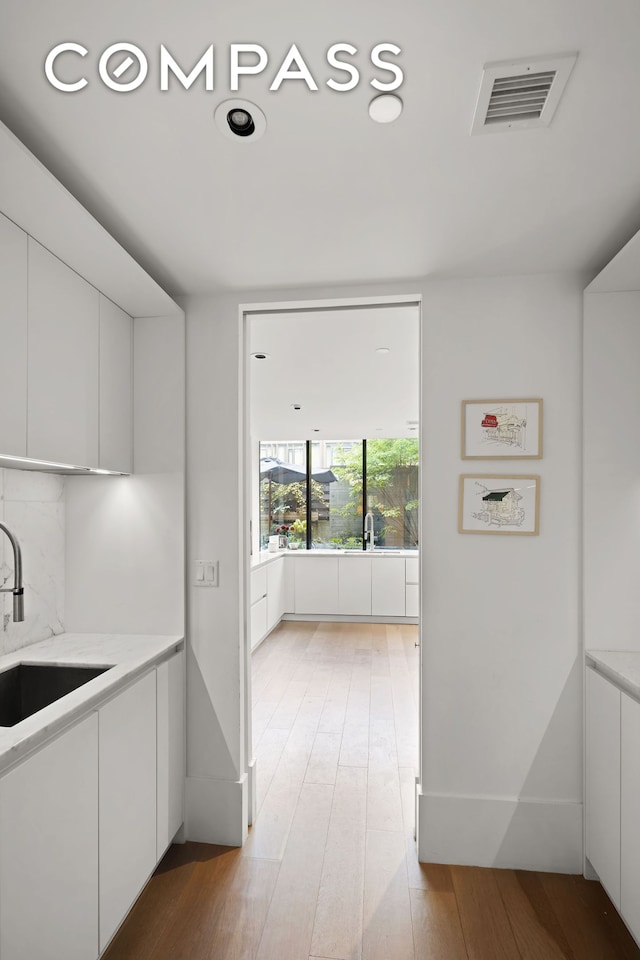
<point x="343" y="474"/>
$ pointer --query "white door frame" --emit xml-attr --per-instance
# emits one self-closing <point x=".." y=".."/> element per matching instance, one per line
<point x="245" y="310"/>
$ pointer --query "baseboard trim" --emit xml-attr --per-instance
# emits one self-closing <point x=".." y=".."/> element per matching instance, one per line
<point x="515" y="834"/>
<point x="343" y="618"/>
<point x="217" y="811"/>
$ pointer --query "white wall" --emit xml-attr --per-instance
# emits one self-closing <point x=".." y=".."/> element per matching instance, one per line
<point x="611" y="470"/>
<point x="502" y="771"/>
<point x="32" y="505"/>
<point x="502" y="779"/>
<point x="125" y="535"/>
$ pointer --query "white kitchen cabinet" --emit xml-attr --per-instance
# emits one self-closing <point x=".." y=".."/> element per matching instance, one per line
<point x="603" y="782"/>
<point x="412" y="600"/>
<point x="170" y="750"/>
<point x="258" y="625"/>
<point x="49" y="851"/>
<point x="128" y="783"/>
<point x="354" y="585"/>
<point x="258" y="584"/>
<point x="388" y="587"/>
<point x="412" y="570"/>
<point x="13" y="336"/>
<point x="63" y="334"/>
<point x="275" y="592"/>
<point x="115" y="387"/>
<point x="629" y="819"/>
<point x="316" y="585"/>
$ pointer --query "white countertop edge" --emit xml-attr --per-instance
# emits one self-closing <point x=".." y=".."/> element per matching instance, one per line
<point x="127" y="656"/>
<point x="622" y="667"/>
<point x="265" y="557"/>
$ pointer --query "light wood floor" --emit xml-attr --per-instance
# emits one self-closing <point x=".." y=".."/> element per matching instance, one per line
<point x="330" y="867"/>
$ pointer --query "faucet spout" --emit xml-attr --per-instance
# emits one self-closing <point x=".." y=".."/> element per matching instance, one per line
<point x="369" y="535"/>
<point x="17" y="590"/>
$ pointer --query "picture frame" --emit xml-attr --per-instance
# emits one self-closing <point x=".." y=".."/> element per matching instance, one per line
<point x="501" y="429"/>
<point x="499" y="504"/>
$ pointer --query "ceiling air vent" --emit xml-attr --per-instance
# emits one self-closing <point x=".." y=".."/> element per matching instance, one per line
<point x="519" y="95"/>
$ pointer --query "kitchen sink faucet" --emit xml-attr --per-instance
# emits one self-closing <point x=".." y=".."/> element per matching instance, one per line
<point x="369" y="535"/>
<point x="17" y="589"/>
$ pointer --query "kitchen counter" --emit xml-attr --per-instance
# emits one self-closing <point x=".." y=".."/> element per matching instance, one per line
<point x="619" y="666"/>
<point x="127" y="656"/>
<point x="265" y="557"/>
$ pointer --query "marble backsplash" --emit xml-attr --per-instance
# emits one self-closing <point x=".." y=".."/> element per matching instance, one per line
<point x="32" y="505"/>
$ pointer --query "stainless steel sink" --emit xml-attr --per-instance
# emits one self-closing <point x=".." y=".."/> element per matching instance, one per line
<point x="27" y="688"/>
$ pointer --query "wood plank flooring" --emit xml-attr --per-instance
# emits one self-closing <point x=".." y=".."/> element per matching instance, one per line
<point x="330" y="870"/>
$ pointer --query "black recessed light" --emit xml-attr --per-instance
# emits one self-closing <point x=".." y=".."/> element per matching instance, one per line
<point x="240" y="122"/>
<point x="259" y="356"/>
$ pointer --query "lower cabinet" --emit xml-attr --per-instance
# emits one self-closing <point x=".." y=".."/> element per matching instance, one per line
<point x="316" y="585"/>
<point x="170" y="750"/>
<point x="275" y="592"/>
<point x="388" y="587"/>
<point x="49" y="851"/>
<point x="354" y="586"/>
<point x="85" y="819"/>
<point x="127" y="778"/>
<point x="629" y="819"/>
<point x="603" y="782"/>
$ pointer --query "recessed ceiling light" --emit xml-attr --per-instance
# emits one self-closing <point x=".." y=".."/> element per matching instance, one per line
<point x="297" y="406"/>
<point x="385" y="108"/>
<point x="240" y="120"/>
<point x="383" y="350"/>
<point x="413" y="428"/>
<point x="260" y="356"/>
<point x="316" y="429"/>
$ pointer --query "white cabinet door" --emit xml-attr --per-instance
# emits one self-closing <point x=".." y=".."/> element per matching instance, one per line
<point x="115" y="387"/>
<point x="49" y="844"/>
<point x="171" y="750"/>
<point x="388" y="587"/>
<point x="354" y="586"/>
<point x="258" y="621"/>
<point x="63" y="362"/>
<point x="258" y="584"/>
<point x="413" y="570"/>
<point x="316" y="585"/>
<point x="630" y="819"/>
<point x="13" y="337"/>
<point x="412" y="600"/>
<point x="127" y="777"/>
<point x="275" y="592"/>
<point x="603" y="782"/>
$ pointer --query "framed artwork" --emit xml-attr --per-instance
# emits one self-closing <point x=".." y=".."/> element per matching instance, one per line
<point x="501" y="429"/>
<point x="498" y="503"/>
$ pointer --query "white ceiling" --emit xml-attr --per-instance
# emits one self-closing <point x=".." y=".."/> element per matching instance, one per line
<point x="327" y="196"/>
<point x="326" y="362"/>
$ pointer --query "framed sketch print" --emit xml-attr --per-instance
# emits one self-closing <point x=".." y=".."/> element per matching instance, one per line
<point x="499" y="504"/>
<point x="501" y="429"/>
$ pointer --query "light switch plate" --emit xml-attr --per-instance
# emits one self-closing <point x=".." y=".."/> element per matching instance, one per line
<point x="207" y="573"/>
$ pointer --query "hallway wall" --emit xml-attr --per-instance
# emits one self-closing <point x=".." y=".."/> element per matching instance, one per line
<point x="501" y="780"/>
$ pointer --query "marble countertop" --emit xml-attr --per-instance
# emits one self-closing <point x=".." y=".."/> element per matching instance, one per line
<point x="620" y="666"/>
<point x="126" y="656"/>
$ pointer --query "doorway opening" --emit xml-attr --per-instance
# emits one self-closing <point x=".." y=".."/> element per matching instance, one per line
<point x="331" y="567"/>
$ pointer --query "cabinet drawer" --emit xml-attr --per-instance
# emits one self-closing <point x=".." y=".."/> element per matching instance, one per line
<point x="258" y="584"/>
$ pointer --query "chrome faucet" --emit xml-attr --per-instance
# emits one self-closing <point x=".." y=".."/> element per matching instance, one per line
<point x="369" y="535"/>
<point x="17" y="590"/>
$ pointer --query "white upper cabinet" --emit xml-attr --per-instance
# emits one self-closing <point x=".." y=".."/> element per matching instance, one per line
<point x="115" y="387"/>
<point x="63" y="337"/>
<point x="13" y="337"/>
